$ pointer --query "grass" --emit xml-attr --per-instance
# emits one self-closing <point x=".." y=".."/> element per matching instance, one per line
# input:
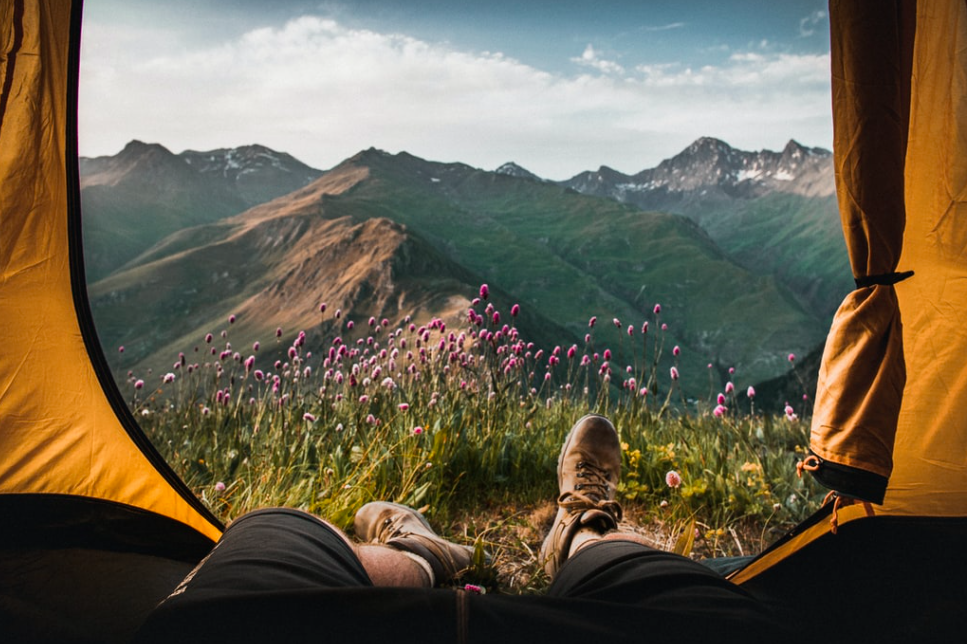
<point x="467" y="426"/>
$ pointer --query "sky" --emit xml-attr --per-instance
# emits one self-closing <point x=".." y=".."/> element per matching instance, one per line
<point x="558" y="87"/>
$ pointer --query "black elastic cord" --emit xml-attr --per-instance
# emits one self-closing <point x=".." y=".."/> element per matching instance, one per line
<point x="884" y="279"/>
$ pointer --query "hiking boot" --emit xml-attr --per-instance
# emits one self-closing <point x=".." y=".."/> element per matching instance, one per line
<point x="405" y="529"/>
<point x="587" y="476"/>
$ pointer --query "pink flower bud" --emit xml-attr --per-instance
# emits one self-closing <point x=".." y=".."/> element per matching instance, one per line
<point x="750" y="392"/>
<point x="673" y="478"/>
<point x="657" y="309"/>
<point x="676" y="350"/>
<point x="515" y="310"/>
<point x="484" y="291"/>
<point x="591" y="322"/>
<point x="674" y="373"/>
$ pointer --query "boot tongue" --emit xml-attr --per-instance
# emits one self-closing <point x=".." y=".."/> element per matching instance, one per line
<point x="604" y="520"/>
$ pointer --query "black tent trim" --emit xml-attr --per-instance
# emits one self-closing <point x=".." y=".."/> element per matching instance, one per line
<point x="56" y="521"/>
<point x="82" y="305"/>
<point x="850" y="481"/>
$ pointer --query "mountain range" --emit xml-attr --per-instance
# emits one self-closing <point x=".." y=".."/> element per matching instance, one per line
<point x="735" y="246"/>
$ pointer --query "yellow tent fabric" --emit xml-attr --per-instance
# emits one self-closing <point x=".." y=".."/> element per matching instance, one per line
<point x="59" y="433"/>
<point x="930" y="463"/>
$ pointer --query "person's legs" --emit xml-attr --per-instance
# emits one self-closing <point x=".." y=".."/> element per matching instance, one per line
<point x="277" y="548"/>
<point x="388" y="567"/>
<point x="286" y="575"/>
<point x="394" y="530"/>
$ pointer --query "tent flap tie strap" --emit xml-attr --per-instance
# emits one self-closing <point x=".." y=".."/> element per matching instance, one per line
<point x="840" y="501"/>
<point x="883" y="279"/>
<point x="812" y="463"/>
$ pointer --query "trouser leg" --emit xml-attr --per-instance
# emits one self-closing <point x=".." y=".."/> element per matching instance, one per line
<point x="276" y="549"/>
<point x="688" y="597"/>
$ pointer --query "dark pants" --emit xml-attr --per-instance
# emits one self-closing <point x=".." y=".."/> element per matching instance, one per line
<point x="280" y="574"/>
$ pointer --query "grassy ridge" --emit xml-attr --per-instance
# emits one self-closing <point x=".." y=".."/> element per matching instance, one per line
<point x="564" y="253"/>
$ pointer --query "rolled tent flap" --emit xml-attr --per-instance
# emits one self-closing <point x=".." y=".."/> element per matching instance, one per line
<point x="862" y="376"/>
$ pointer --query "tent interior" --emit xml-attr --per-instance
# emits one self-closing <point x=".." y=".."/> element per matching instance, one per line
<point x="97" y="528"/>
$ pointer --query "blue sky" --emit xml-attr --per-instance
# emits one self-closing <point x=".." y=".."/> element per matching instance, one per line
<point x="558" y="87"/>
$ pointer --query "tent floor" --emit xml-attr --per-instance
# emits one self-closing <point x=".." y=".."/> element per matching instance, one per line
<point x="76" y="595"/>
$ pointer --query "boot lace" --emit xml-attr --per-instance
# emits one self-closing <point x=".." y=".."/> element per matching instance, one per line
<point x="593" y="492"/>
<point x="391" y="528"/>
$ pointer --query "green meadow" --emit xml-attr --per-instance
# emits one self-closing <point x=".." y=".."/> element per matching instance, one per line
<point x="466" y="424"/>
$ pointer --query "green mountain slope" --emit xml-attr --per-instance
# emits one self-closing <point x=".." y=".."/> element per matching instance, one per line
<point x="391" y="235"/>
<point x="572" y="256"/>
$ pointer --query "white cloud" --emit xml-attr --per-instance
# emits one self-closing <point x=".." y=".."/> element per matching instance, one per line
<point x="321" y="91"/>
<point x="673" y="25"/>
<point x="809" y="24"/>
<point x="591" y="58"/>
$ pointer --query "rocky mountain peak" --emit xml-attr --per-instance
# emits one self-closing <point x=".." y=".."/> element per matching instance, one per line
<point x="711" y="166"/>
<point x="137" y="161"/>
<point x="512" y="169"/>
<point x="255" y="172"/>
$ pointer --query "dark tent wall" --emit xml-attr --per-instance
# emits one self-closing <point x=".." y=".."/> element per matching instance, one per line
<point x="95" y="525"/>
